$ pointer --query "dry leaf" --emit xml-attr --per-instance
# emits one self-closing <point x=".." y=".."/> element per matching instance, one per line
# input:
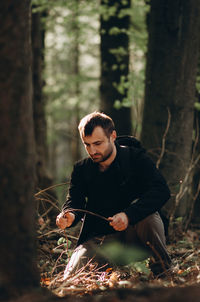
<point x="45" y="281"/>
<point x="113" y="279"/>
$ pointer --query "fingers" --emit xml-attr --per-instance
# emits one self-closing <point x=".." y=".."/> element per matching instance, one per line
<point x="70" y="218"/>
<point x="64" y="220"/>
<point x="61" y="222"/>
<point x="119" y="221"/>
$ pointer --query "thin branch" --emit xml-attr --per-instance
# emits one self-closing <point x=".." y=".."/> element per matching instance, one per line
<point x="51" y="187"/>
<point x="57" y="231"/>
<point x="192" y="207"/>
<point x="50" y="196"/>
<point x="49" y="201"/>
<point x="197" y="137"/>
<point x="164" y="139"/>
<point x="184" y="187"/>
<point x="159" y="257"/>
<point x="87" y="212"/>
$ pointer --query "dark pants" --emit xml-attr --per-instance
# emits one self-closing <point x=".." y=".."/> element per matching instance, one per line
<point x="148" y="233"/>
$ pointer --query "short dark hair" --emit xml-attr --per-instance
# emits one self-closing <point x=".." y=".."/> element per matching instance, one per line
<point x="93" y="120"/>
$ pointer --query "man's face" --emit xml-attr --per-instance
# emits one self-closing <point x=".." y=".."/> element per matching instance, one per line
<point x="98" y="145"/>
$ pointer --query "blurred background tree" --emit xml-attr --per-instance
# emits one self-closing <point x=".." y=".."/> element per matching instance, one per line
<point x="95" y="58"/>
<point x="170" y="94"/>
<point x="73" y="76"/>
<point x="114" y="46"/>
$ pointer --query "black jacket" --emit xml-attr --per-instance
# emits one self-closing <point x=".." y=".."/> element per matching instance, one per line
<point x="140" y="193"/>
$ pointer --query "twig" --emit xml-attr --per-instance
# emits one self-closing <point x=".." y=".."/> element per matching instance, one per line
<point x="69" y="209"/>
<point x="183" y="186"/>
<point x="56" y="231"/>
<point x="164" y="139"/>
<point x="45" y="194"/>
<point x="87" y="212"/>
<point x="159" y="257"/>
<point x="49" y="201"/>
<point x="51" y="187"/>
<point x="47" y="211"/>
<point x="197" y="137"/>
<point x="82" y="276"/>
<point x="192" y="207"/>
<point x="55" y="266"/>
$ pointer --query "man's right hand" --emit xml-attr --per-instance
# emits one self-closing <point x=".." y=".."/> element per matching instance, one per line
<point x="65" y="220"/>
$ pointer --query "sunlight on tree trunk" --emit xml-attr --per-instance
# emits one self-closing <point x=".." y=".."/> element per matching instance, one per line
<point x="75" y="56"/>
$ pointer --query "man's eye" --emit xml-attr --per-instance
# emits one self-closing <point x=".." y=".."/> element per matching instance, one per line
<point x="98" y="143"/>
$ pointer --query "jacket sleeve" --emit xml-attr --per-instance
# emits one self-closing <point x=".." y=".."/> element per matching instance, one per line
<point x="76" y="196"/>
<point x="152" y="188"/>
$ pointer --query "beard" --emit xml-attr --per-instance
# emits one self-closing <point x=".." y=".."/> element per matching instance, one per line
<point x="101" y="157"/>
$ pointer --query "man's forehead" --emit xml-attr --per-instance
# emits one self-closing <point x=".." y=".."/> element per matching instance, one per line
<point x="97" y="134"/>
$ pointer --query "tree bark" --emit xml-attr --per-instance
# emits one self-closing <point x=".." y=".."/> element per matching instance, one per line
<point x="17" y="161"/>
<point x="172" y="60"/>
<point x="195" y="208"/>
<point x="44" y="179"/>
<point x="76" y="90"/>
<point x="115" y="66"/>
<point x="38" y="34"/>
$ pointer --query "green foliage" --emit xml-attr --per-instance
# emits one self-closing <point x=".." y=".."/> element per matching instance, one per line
<point x="107" y="12"/>
<point x="179" y="219"/>
<point x="141" y="267"/>
<point x="197" y="106"/>
<point x="116" y="31"/>
<point x="120" y="254"/>
<point x="122" y="85"/>
<point x="134" y="83"/>
<point x="72" y="69"/>
<point x="40" y="5"/>
<point x="198" y="79"/>
<point x="71" y="81"/>
<point x="119" y="53"/>
<point x="125" y="103"/>
<point x="64" y="243"/>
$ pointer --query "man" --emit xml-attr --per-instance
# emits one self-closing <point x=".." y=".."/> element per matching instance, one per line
<point x="98" y="184"/>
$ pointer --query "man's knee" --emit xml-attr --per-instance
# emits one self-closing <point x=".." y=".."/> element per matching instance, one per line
<point x="150" y="227"/>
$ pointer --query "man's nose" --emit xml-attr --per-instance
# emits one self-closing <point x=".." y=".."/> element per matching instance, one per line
<point x="92" y="150"/>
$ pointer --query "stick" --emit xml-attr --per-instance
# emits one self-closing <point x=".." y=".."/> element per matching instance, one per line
<point x="87" y="212"/>
<point x="51" y="187"/>
<point x="164" y="139"/>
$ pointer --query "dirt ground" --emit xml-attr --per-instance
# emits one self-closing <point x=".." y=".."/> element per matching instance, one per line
<point x="113" y="284"/>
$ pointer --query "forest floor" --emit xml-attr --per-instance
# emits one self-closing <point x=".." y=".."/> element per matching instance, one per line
<point x="55" y="247"/>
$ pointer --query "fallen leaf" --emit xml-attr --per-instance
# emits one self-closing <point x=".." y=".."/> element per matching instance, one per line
<point x="113" y="279"/>
<point x="45" y="281"/>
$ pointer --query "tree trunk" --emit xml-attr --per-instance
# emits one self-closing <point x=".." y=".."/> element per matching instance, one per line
<point x="115" y="63"/>
<point x="38" y="34"/>
<point x="195" y="209"/>
<point x="75" y="57"/>
<point x="44" y="180"/>
<point x="172" y="59"/>
<point x="17" y="161"/>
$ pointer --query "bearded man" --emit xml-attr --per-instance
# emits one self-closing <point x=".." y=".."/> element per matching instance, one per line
<point x="98" y="185"/>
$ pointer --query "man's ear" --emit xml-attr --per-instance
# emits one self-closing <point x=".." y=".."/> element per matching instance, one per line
<point x="113" y="135"/>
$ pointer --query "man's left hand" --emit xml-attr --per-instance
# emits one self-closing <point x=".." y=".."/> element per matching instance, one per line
<point x="119" y="222"/>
